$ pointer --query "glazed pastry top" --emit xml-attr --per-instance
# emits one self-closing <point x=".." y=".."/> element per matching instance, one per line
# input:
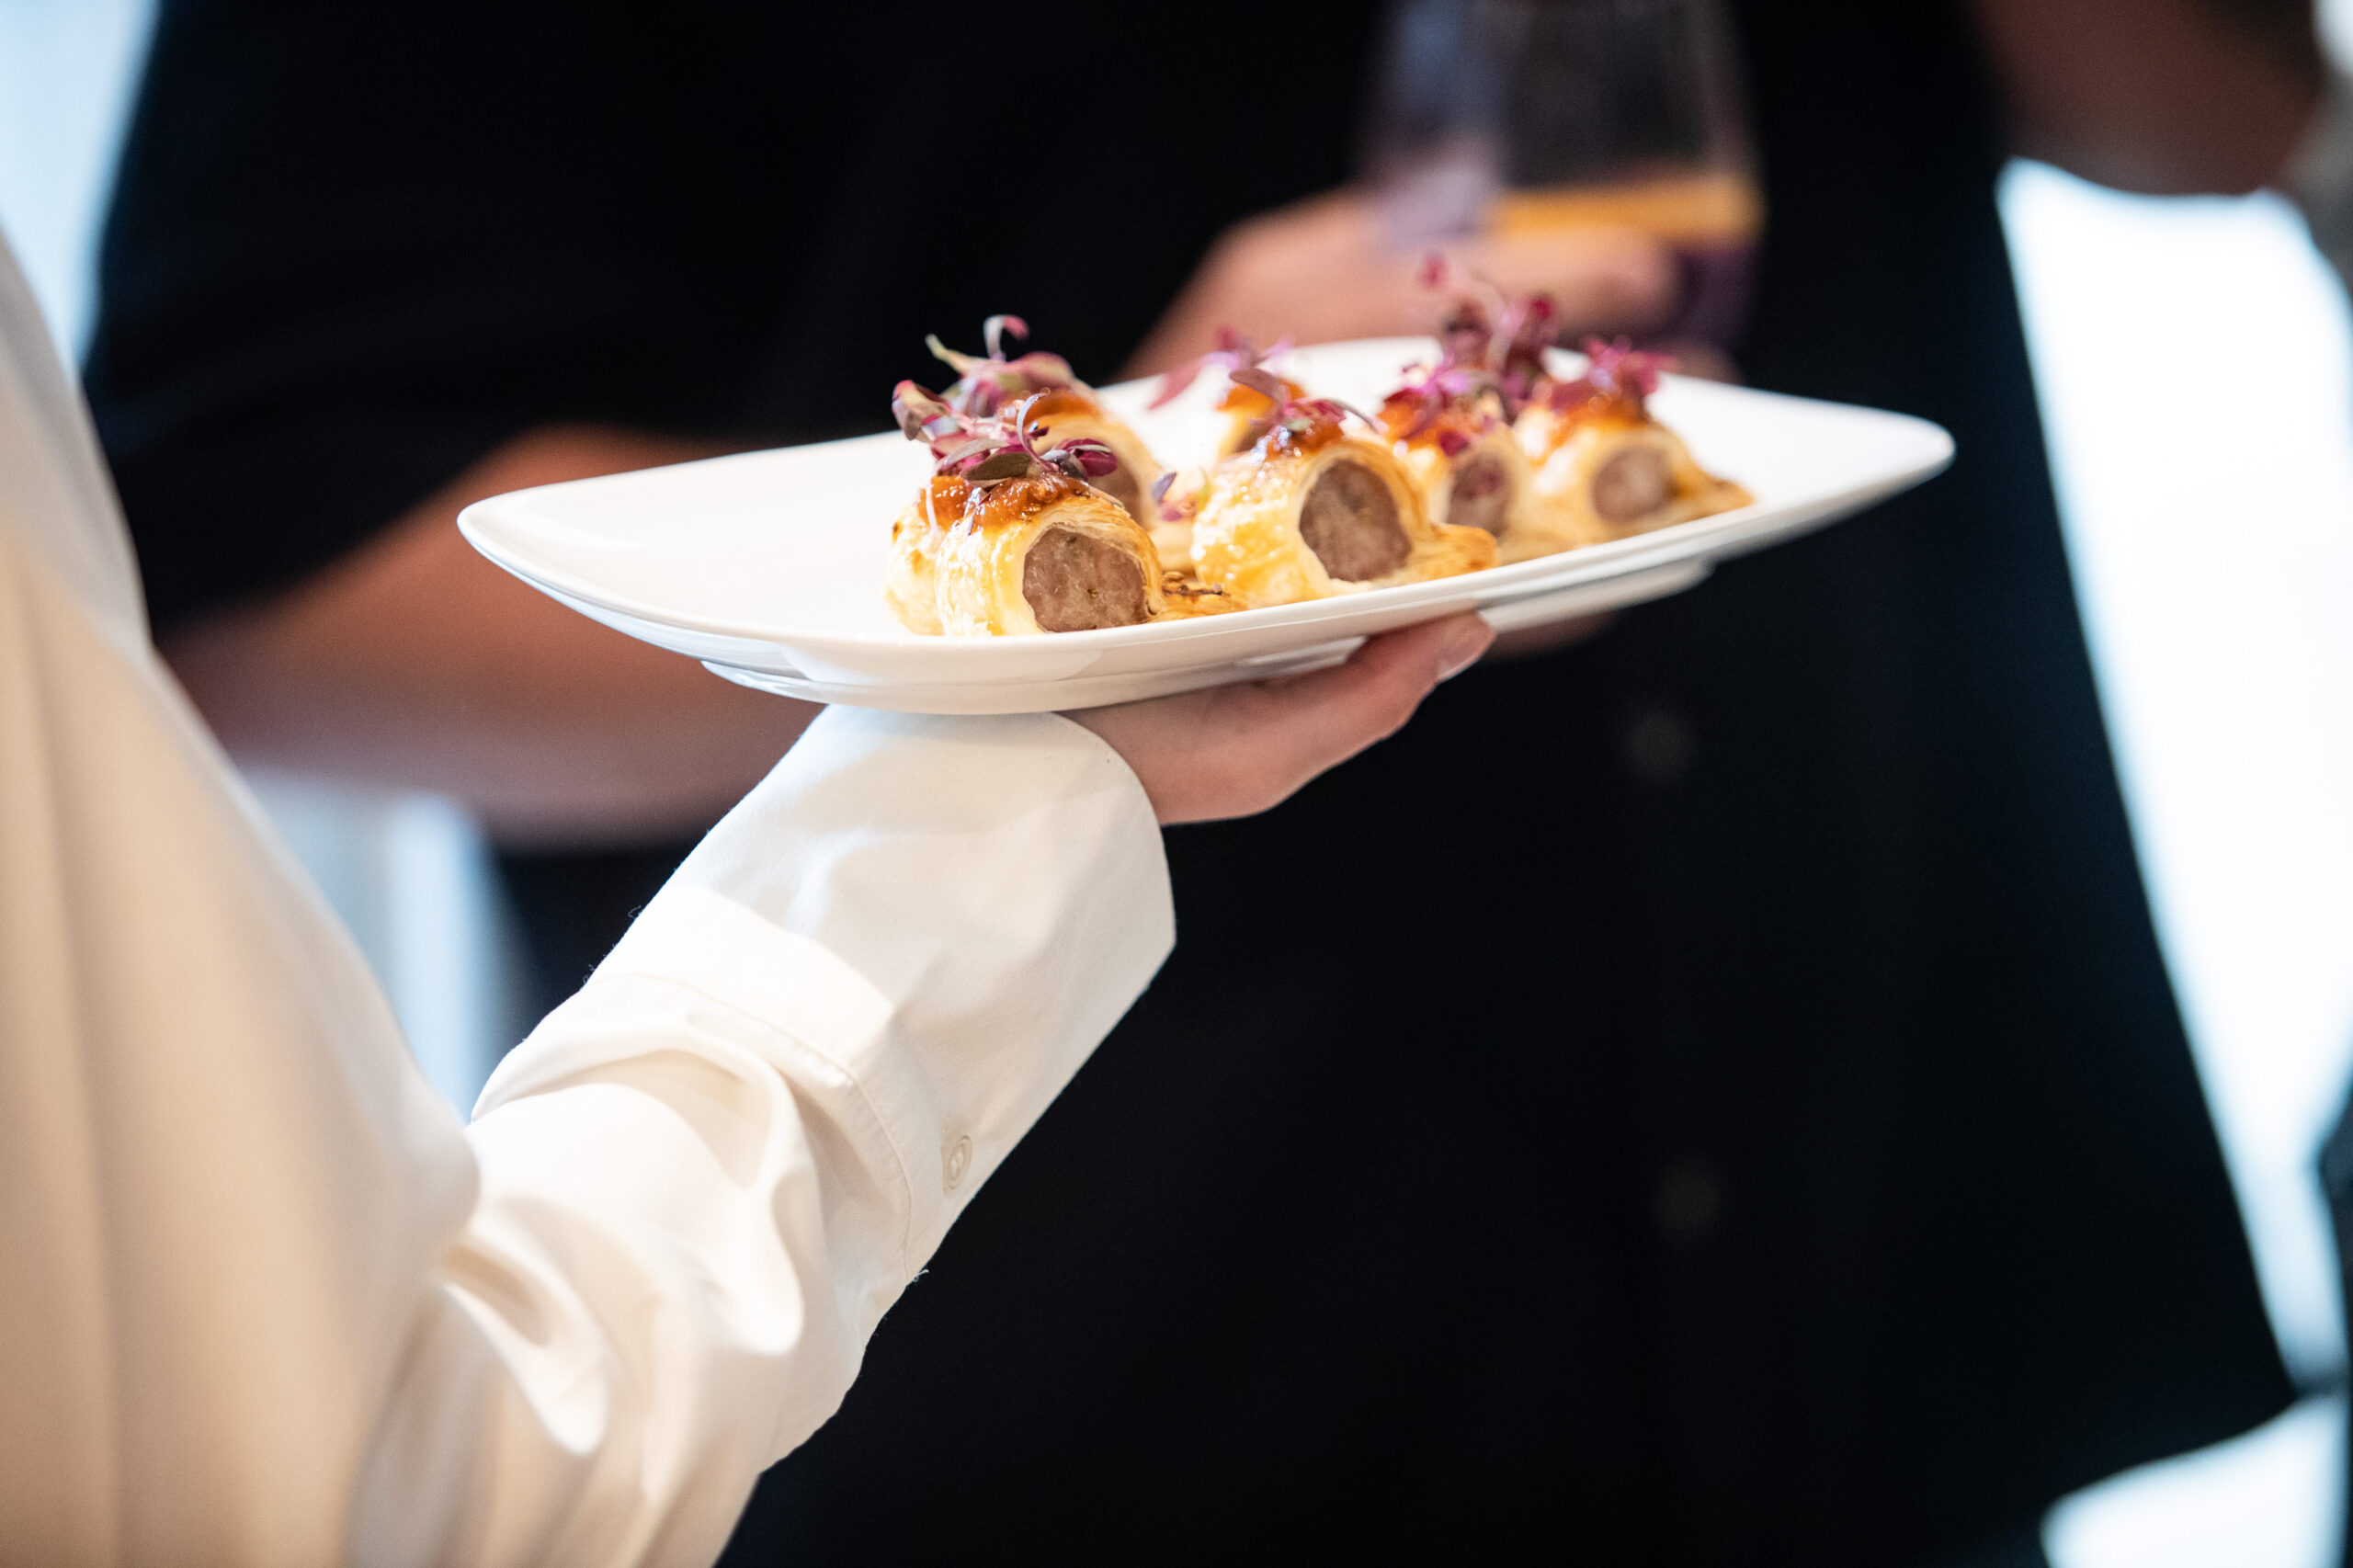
<point x="1614" y="391"/>
<point x="1309" y="430"/>
<point x="952" y="501"/>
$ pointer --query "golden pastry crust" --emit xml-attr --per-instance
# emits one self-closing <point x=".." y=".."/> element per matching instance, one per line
<point x="1174" y="540"/>
<point x="1608" y="474"/>
<point x="1482" y="446"/>
<point x="1022" y="557"/>
<point x="1263" y="507"/>
<point x="910" y="581"/>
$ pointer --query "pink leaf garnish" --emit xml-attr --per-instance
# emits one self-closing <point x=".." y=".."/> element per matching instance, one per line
<point x="992" y="332"/>
<point x="1489" y="346"/>
<point x="1620" y="364"/>
<point x="984" y="386"/>
<point x="1265" y="383"/>
<point x="1175" y="382"/>
<point x="914" y="408"/>
<point x="1234" y="352"/>
<point x="1043" y="370"/>
<point x="1615" y="372"/>
<point x="982" y="449"/>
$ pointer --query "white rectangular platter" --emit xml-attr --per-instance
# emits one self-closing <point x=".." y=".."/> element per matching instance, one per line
<point x="768" y="567"/>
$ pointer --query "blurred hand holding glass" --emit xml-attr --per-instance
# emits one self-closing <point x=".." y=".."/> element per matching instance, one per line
<point x="1531" y="123"/>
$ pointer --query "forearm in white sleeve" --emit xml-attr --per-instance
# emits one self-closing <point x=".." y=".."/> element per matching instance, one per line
<point x="262" y="1300"/>
<point x="707" y="1176"/>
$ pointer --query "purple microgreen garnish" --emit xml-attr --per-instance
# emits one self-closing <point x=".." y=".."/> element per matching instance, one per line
<point x="1084" y="458"/>
<point x="1233" y="353"/>
<point x="987" y="449"/>
<point x="1176" y="504"/>
<point x="1490" y="345"/>
<point x="1429" y="395"/>
<point x="1008" y="463"/>
<point x="1615" y="373"/>
<point x="1527" y="330"/>
<point x="1294" y="413"/>
<point x="922" y="416"/>
<point x="985" y="386"/>
<point x="1265" y="383"/>
<point x="992" y="332"/>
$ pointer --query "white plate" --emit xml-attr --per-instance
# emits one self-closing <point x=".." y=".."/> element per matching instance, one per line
<point x="768" y="567"/>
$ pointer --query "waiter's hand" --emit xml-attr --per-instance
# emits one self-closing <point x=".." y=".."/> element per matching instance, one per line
<point x="1234" y="750"/>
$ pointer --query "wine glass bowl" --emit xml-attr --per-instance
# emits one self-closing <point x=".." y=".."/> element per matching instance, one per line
<point x="1516" y="119"/>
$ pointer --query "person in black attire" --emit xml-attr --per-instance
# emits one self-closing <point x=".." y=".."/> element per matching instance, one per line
<point x="1815" y="1169"/>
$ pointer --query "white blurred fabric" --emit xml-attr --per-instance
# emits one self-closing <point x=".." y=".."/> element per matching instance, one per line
<point x="2194" y="358"/>
<point x="263" y="1300"/>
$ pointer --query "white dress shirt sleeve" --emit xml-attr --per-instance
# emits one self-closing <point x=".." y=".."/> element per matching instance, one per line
<point x="262" y="1300"/>
<point x="706" y="1177"/>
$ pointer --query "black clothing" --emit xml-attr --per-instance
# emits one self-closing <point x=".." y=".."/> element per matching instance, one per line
<point x="353" y="247"/>
<point x="1707" y="1097"/>
<point x="570" y="907"/>
<point x="2337" y="1186"/>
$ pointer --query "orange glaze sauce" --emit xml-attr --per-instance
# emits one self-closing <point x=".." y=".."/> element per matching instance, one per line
<point x="1064" y="400"/>
<point x="1398" y="413"/>
<point x="1013" y="501"/>
<point x="1239" y="399"/>
<point x="1620" y="410"/>
<point x="1284" y="441"/>
<point x="1253" y="406"/>
<point x="944" y="498"/>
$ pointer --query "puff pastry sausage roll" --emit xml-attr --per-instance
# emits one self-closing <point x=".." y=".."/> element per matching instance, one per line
<point x="1044" y="552"/>
<point x="1311" y="511"/>
<point x="1068" y="409"/>
<point x="1605" y="469"/>
<point x="1011" y="538"/>
<point x="1475" y="476"/>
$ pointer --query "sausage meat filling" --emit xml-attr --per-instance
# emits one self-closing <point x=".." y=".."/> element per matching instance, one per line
<point x="1076" y="581"/>
<point x="1632" y="483"/>
<point x="1350" y="520"/>
<point x="1480" y="494"/>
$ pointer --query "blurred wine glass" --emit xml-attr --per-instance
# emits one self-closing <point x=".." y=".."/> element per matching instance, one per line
<point x="1523" y="120"/>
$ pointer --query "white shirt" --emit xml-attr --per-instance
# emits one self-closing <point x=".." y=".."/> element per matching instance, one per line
<point x="262" y="1298"/>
